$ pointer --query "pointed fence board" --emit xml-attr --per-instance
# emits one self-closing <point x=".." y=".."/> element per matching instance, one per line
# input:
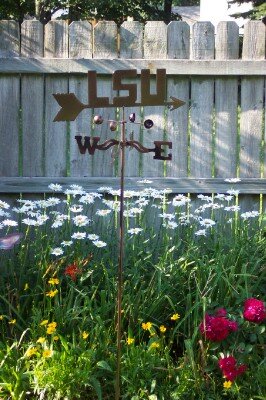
<point x="226" y="103"/>
<point x="105" y="46"/>
<point x="202" y="92"/>
<point x="131" y="46"/>
<point x="32" y="87"/>
<point x="251" y="119"/>
<point x="80" y="46"/>
<point x="9" y="103"/>
<point x="177" y="120"/>
<point x="55" y="45"/>
<point x="155" y="46"/>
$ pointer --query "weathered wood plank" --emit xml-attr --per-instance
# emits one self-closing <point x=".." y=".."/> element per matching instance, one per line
<point x="177" y="185"/>
<point x="24" y="65"/>
<point x="80" y="45"/>
<point x="202" y="93"/>
<point x="9" y="43"/>
<point x="32" y="88"/>
<point x="105" y="46"/>
<point x="226" y="103"/>
<point x="131" y="46"/>
<point x="56" y="45"/>
<point x="177" y="120"/>
<point x="9" y="102"/>
<point x="251" y="119"/>
<point x="155" y="46"/>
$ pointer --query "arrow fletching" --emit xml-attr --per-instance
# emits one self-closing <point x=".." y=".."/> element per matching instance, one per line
<point x="70" y="106"/>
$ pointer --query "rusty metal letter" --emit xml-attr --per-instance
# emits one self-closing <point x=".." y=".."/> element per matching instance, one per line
<point x="129" y="100"/>
<point x="94" y="100"/>
<point x="158" y="150"/>
<point x="91" y="147"/>
<point x="153" y="99"/>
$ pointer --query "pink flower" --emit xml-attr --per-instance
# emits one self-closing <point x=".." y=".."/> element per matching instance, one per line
<point x="216" y="328"/>
<point x="254" y="310"/>
<point x="229" y="368"/>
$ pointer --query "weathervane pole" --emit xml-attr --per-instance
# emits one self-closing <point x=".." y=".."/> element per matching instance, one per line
<point x="121" y="256"/>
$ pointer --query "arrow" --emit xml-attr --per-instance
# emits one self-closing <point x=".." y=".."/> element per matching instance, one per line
<point x="71" y="106"/>
<point x="175" y="103"/>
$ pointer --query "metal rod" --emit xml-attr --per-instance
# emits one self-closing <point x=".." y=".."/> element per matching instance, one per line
<point x="120" y="260"/>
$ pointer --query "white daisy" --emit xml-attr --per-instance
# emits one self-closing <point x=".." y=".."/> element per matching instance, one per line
<point x="79" y="235"/>
<point x="134" y="231"/>
<point x="232" y="180"/>
<point x="29" y="222"/>
<point x="232" y="208"/>
<point x="9" y="222"/>
<point x="57" y="251"/>
<point x="145" y="181"/>
<point x="99" y="243"/>
<point x="55" y="187"/>
<point x="81" y="220"/>
<point x="4" y="213"/>
<point x="87" y="199"/>
<point x="167" y="216"/>
<point x="207" y="222"/>
<point x="66" y="243"/>
<point x="76" y="208"/>
<point x="103" y="213"/>
<point x="92" y="236"/>
<point x="233" y="192"/>
<point x="4" y="205"/>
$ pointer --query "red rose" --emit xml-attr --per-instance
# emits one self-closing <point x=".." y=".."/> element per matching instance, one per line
<point x="216" y="328"/>
<point x="254" y="310"/>
<point x="229" y="368"/>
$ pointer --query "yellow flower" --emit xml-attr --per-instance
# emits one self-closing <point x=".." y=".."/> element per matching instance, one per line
<point x="227" y="384"/>
<point x="53" y="281"/>
<point x="12" y="322"/>
<point x="154" y="345"/>
<point x="51" y="328"/>
<point x="162" y="328"/>
<point x="31" y="352"/>
<point x="175" y="317"/>
<point x="85" y="335"/>
<point x="1" y="317"/>
<point x="44" y="322"/>
<point x="146" y="326"/>
<point x="47" y="353"/>
<point x="56" y="338"/>
<point x="52" y="293"/>
<point x="130" y="340"/>
<point x="26" y="287"/>
<point x="41" y="340"/>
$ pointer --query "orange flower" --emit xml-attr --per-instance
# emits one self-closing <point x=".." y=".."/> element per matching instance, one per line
<point x="72" y="270"/>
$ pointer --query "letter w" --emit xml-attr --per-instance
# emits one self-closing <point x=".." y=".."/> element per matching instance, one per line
<point x="90" y="144"/>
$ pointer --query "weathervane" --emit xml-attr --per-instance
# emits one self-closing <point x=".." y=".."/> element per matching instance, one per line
<point x="71" y="107"/>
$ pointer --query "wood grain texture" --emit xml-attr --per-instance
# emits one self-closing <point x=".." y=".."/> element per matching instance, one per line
<point x="9" y="102"/>
<point x="252" y="94"/>
<point x="251" y="119"/>
<point x="56" y="45"/>
<point x="106" y="67"/>
<point x="80" y="45"/>
<point x="177" y="185"/>
<point x="155" y="46"/>
<point x="226" y="103"/>
<point x="32" y="87"/>
<point x="202" y="93"/>
<point x="177" y="120"/>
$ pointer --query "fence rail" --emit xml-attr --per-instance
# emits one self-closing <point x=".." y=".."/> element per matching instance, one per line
<point x="219" y="133"/>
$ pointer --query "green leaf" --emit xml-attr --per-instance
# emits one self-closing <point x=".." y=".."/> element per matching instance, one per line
<point x="104" y="365"/>
<point x="153" y="384"/>
<point x="97" y="387"/>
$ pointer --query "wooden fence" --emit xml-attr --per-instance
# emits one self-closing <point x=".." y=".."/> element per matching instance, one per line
<point x="218" y="134"/>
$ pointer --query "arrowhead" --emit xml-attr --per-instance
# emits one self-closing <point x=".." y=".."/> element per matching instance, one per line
<point x="175" y="103"/>
<point x="70" y="106"/>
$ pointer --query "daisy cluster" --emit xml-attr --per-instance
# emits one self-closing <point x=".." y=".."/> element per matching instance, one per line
<point x="84" y="211"/>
